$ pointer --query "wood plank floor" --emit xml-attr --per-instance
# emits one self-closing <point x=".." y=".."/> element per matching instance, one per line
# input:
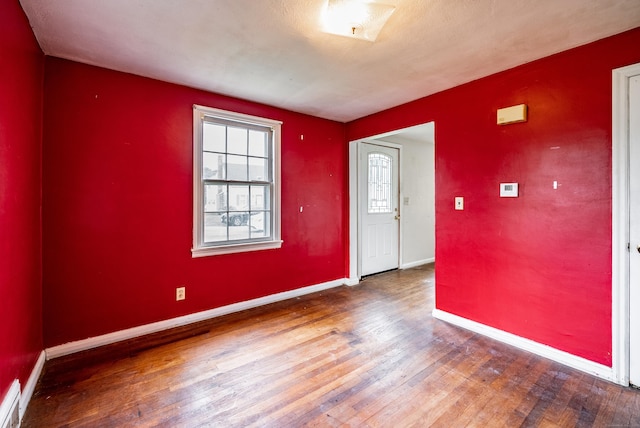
<point x="364" y="356"/>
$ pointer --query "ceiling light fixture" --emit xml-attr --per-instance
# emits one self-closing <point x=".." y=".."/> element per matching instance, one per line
<point x="360" y="19"/>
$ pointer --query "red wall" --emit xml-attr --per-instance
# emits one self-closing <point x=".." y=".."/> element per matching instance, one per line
<point x="20" y="226"/>
<point x="117" y="186"/>
<point x="538" y="266"/>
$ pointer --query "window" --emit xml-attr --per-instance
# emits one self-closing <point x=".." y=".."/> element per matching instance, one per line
<point x="379" y="183"/>
<point x="236" y="189"/>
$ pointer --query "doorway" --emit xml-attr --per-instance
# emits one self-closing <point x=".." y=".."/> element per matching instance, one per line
<point x="416" y="198"/>
<point x="626" y="225"/>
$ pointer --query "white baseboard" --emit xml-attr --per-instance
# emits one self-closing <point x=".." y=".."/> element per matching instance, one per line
<point x="545" y="351"/>
<point x="20" y="400"/>
<point x="417" y="263"/>
<point x="130" y="333"/>
<point x="351" y="281"/>
<point x="9" y="404"/>
<point x="30" y="386"/>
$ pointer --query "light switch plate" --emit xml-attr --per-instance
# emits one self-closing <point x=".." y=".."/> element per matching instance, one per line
<point x="459" y="203"/>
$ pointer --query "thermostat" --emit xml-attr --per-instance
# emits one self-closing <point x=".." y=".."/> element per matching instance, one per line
<point x="508" y="190"/>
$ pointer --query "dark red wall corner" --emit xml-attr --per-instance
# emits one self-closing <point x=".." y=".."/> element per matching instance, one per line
<point x="21" y="77"/>
<point x="537" y="266"/>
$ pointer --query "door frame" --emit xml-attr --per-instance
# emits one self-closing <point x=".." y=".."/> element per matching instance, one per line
<point x="620" y="224"/>
<point x="354" y="206"/>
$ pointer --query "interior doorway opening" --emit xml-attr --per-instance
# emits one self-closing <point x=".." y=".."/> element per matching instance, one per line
<point x="416" y="197"/>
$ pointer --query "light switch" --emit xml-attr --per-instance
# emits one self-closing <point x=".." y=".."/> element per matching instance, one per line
<point x="459" y="203"/>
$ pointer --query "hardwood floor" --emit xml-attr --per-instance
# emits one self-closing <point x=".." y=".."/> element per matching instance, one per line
<point x="364" y="356"/>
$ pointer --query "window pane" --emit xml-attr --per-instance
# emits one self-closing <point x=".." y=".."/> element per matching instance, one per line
<point x="234" y="219"/>
<point x="214" y="229"/>
<point x="379" y="186"/>
<point x="213" y="137"/>
<point x="258" y="169"/>
<point x="238" y="226"/>
<point x="260" y="224"/>
<point x="238" y="198"/>
<point x="258" y="144"/>
<point x="212" y="165"/>
<point x="260" y="199"/>
<point x="215" y="198"/>
<point x="237" y="167"/>
<point x="237" y="140"/>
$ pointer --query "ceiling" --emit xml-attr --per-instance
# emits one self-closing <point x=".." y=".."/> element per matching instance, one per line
<point x="273" y="51"/>
<point x="423" y="134"/>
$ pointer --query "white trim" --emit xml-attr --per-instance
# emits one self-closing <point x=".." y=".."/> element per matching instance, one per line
<point x="400" y="206"/>
<point x="130" y="333"/>
<point x="545" y="351"/>
<point x="199" y="249"/>
<point x="417" y="263"/>
<point x="354" y="254"/>
<point x="20" y="399"/>
<point x="30" y="386"/>
<point x="620" y="224"/>
<point x="352" y="281"/>
<point x="235" y="248"/>
<point x="9" y="403"/>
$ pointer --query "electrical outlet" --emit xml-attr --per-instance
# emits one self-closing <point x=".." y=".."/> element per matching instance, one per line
<point x="180" y="293"/>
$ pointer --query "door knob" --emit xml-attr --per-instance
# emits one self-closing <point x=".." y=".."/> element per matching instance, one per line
<point x="638" y="248"/>
<point x="397" y="217"/>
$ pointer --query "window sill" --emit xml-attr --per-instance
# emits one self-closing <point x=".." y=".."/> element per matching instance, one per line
<point x="237" y="248"/>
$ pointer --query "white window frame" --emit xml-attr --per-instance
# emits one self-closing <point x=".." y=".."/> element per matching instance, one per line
<point x="200" y="248"/>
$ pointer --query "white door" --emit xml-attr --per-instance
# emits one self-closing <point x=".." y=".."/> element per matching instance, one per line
<point x="634" y="229"/>
<point x="378" y="206"/>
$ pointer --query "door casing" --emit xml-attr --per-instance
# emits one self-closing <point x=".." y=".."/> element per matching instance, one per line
<point x="620" y="311"/>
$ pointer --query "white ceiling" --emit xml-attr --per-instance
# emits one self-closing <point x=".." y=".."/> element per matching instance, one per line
<point x="424" y="133"/>
<point x="272" y="51"/>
